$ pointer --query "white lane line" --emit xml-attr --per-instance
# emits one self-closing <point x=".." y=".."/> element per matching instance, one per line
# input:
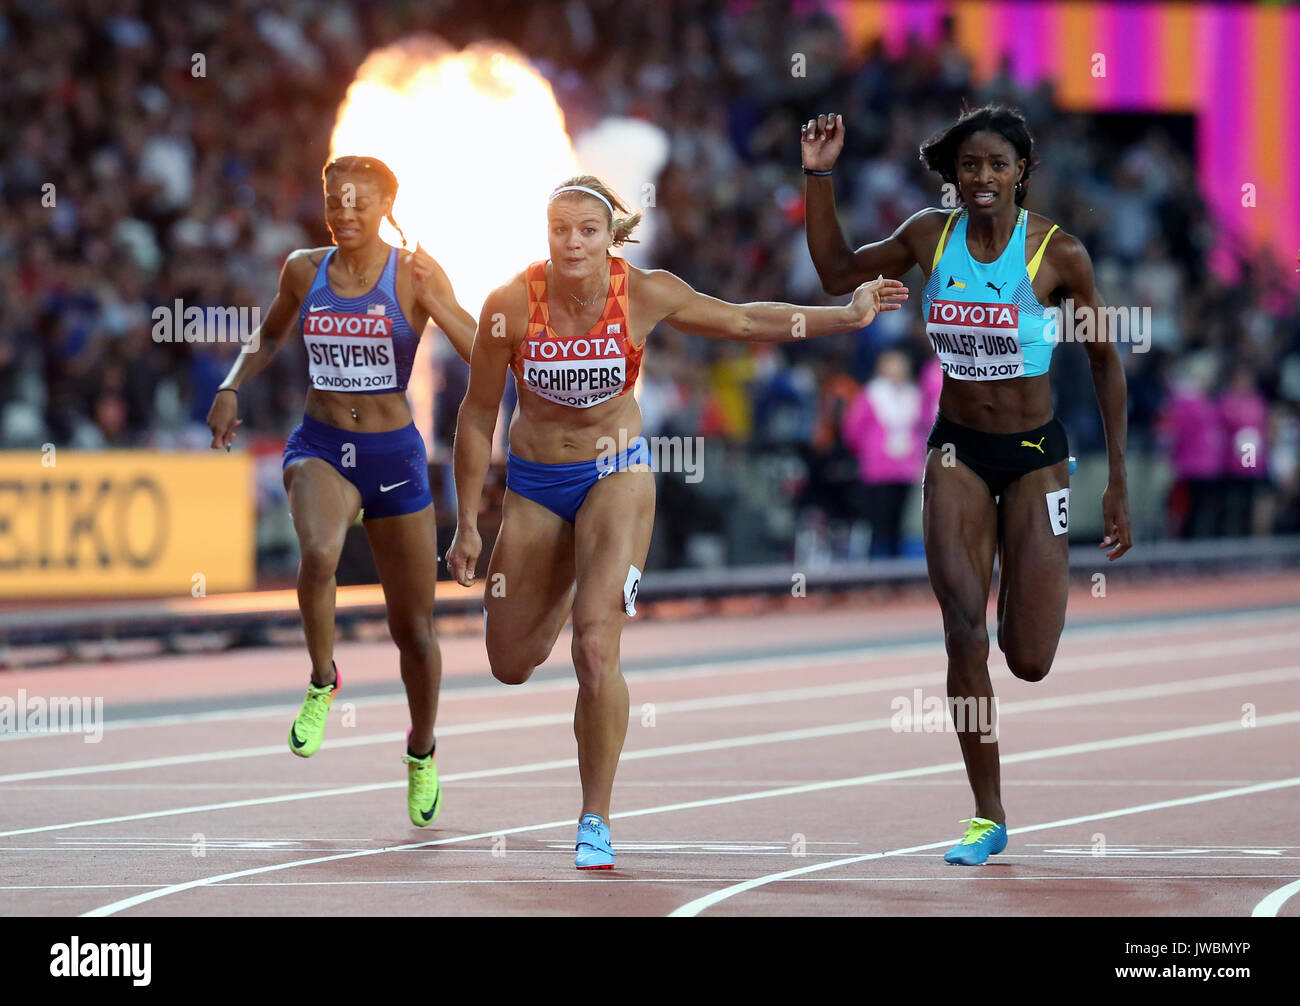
<point x="707" y="669"/>
<point x="761" y="664"/>
<point x="623" y="784"/>
<point x="778" y="737"/>
<point x="1183" y="733"/>
<point x="693" y="908"/>
<point x="278" y="709"/>
<point x="1119" y="658"/>
<point x="965" y="877"/>
<point x="76" y="887"/>
<point x="1269" y="906"/>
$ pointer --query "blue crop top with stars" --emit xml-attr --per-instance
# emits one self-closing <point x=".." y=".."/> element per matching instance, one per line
<point x="364" y="345"/>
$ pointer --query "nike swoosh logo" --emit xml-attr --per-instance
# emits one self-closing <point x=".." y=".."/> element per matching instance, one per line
<point x="428" y="814"/>
<point x="322" y="307"/>
<point x="384" y="489"/>
<point x="293" y="736"/>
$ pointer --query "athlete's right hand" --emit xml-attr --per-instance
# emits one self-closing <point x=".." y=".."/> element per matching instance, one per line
<point x="223" y="418"/>
<point x="874" y="296"/>
<point x="462" y="557"/>
<point x="822" y="139"/>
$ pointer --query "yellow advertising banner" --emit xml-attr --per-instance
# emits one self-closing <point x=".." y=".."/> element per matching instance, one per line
<point x="119" y="523"/>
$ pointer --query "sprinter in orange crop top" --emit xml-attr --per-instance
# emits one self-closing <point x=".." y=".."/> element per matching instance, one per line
<point x="579" y="503"/>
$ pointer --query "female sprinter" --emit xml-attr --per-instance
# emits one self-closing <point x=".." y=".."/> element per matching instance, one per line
<point x="361" y="308"/>
<point x="579" y="503"/>
<point x="996" y="477"/>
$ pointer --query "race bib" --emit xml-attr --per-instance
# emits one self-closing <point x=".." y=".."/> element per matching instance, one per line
<point x="579" y="372"/>
<point x="976" y="342"/>
<point x="349" y="352"/>
<point x="1058" y="511"/>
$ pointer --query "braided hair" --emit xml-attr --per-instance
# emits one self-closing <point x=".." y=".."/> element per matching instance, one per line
<point x="374" y="169"/>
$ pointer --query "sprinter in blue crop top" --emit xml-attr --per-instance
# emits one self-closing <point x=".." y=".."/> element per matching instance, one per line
<point x="996" y="479"/>
<point x="361" y="307"/>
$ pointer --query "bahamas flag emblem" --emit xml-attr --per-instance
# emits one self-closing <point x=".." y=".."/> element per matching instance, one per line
<point x="954" y="281"/>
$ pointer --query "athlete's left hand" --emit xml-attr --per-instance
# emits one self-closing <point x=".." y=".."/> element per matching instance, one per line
<point x="877" y="295"/>
<point x="423" y="271"/>
<point x="1114" y="516"/>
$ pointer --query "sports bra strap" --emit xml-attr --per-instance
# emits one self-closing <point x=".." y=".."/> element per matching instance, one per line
<point x="938" y="250"/>
<point x="1037" y="260"/>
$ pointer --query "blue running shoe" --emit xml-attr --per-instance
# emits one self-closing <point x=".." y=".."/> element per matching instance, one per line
<point x="984" y="838"/>
<point x="594" y="850"/>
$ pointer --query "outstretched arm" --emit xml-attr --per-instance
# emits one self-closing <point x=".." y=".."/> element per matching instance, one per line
<point x="841" y="268"/>
<point x="674" y="301"/>
<point x="1075" y="268"/>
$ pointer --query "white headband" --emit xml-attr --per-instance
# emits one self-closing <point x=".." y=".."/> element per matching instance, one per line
<point x="590" y="192"/>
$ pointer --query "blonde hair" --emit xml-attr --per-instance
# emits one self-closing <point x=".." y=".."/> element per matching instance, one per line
<point x="621" y="226"/>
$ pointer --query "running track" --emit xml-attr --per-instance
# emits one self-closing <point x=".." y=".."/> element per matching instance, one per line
<point x="761" y="775"/>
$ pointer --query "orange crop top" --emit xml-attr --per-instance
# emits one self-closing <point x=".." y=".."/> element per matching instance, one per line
<point x="579" y="370"/>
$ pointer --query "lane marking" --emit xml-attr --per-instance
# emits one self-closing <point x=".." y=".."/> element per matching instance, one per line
<point x="104" y="787"/>
<point x="693" y="908"/>
<point x="965" y="876"/>
<point x="736" y="700"/>
<point x="695" y="747"/>
<point x="1270" y="905"/>
<point x="1136" y="740"/>
<point x="762" y="664"/>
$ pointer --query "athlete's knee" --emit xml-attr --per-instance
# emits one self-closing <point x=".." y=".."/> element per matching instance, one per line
<point x="1029" y="668"/>
<point x="415" y="637"/>
<point x="595" y="651"/>
<point x="511" y="672"/>
<point x="511" y="665"/>
<point x="965" y="633"/>
<point x="317" y="561"/>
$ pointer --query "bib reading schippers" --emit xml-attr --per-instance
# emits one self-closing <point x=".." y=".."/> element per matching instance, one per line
<point x="578" y="370"/>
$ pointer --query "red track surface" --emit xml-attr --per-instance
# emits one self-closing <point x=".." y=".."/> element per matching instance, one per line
<point x="758" y="747"/>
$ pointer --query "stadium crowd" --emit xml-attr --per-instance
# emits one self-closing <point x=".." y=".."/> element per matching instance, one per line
<point x="131" y="180"/>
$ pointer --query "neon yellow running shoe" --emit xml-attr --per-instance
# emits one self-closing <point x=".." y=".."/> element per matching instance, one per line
<point x="423" y="794"/>
<point x="308" y="730"/>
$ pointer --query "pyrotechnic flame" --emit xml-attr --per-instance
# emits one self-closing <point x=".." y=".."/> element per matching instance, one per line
<point x="477" y="143"/>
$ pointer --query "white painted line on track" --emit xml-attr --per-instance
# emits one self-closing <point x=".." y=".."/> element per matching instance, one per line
<point x="693" y="908"/>
<point x="1269" y="906"/>
<point x="737" y="700"/>
<point x="695" y="747"/>
<point x="761" y="664"/>
<point x="1115" y="743"/>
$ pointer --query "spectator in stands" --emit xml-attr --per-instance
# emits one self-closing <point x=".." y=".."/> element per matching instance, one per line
<point x="1244" y="415"/>
<point x="1194" y="437"/>
<point x="886" y="428"/>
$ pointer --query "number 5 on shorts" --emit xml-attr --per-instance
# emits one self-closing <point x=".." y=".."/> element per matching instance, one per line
<point x="1058" y="510"/>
